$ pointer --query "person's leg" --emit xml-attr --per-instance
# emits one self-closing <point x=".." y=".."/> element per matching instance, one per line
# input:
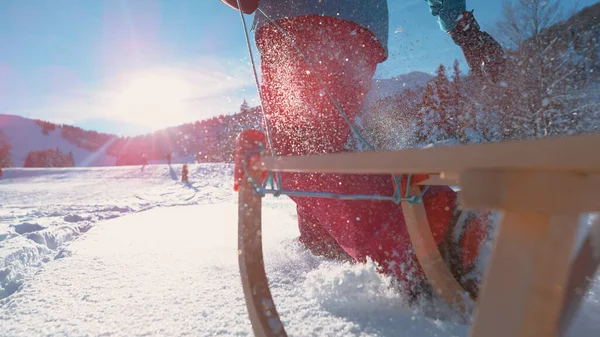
<point x="299" y="111"/>
<point x="300" y="115"/>
<point x="303" y="120"/>
<point x="460" y="248"/>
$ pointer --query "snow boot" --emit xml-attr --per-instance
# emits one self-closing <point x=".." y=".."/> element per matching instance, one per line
<point x="461" y="247"/>
<point x="484" y="55"/>
<point x="459" y="239"/>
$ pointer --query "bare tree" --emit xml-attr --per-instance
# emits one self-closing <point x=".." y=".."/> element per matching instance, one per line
<point x="525" y="19"/>
<point x="544" y="65"/>
<point x="521" y="29"/>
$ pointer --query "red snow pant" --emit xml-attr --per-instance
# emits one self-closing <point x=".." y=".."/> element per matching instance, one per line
<point x="303" y="120"/>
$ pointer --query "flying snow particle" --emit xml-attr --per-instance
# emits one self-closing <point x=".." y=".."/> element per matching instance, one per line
<point x="398" y="30"/>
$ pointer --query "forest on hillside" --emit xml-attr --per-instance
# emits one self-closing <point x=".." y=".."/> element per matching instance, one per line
<point x="210" y="140"/>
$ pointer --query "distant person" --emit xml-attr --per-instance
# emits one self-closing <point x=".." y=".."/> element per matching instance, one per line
<point x="169" y="159"/>
<point x="144" y="161"/>
<point x="184" y="173"/>
<point x="344" y="41"/>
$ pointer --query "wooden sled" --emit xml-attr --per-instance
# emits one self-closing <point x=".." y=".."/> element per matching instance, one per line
<point x="532" y="285"/>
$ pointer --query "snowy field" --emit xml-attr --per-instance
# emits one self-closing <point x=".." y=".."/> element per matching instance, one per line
<point x="122" y="251"/>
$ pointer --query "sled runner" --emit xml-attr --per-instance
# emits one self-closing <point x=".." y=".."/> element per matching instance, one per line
<point x="532" y="285"/>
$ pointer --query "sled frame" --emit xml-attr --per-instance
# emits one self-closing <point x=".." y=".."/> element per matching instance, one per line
<point x="541" y="187"/>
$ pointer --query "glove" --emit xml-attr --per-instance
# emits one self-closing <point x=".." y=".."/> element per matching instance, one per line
<point x="248" y="6"/>
<point x="484" y="55"/>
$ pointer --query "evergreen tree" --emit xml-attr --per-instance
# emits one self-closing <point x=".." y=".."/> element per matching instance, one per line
<point x="437" y="118"/>
<point x="244" y="107"/>
<point x="5" y="152"/>
<point x="427" y="121"/>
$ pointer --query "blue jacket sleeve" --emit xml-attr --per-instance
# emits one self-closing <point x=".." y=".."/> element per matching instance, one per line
<point x="448" y="12"/>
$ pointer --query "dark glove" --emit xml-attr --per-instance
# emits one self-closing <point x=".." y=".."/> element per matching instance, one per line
<point x="484" y="55"/>
<point x="248" y="6"/>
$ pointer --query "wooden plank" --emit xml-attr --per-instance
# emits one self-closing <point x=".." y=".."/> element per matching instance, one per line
<point x="438" y="180"/>
<point x="576" y="153"/>
<point x="548" y="192"/>
<point x="450" y="175"/>
<point x="259" y="302"/>
<point x="523" y="289"/>
<point x="430" y="259"/>
<point x="583" y="269"/>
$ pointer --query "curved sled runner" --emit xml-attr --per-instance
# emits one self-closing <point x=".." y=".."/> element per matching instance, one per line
<point x="532" y="286"/>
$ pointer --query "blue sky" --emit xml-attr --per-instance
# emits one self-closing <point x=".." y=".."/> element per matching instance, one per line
<point x="131" y="66"/>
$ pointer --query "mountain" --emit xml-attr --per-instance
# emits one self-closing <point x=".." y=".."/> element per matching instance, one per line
<point x="393" y="86"/>
<point x="210" y="140"/>
<point x="26" y="135"/>
<point x="115" y="127"/>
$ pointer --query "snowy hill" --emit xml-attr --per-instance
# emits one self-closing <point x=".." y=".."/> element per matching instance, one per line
<point x="97" y="251"/>
<point x="210" y="140"/>
<point x="26" y="135"/>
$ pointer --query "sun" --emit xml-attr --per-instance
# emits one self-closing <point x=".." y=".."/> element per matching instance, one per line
<point x="152" y="99"/>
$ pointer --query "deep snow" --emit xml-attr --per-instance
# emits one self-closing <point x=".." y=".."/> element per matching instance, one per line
<point x="69" y="266"/>
<point x="40" y="209"/>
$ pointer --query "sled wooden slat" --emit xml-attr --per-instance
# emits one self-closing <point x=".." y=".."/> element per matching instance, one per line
<point x="430" y="259"/>
<point x="259" y="302"/>
<point x="577" y="153"/>
<point x="438" y="180"/>
<point x="527" y="276"/>
<point x="540" y="186"/>
<point x="523" y="289"/>
<point x="547" y="192"/>
<point x="450" y="175"/>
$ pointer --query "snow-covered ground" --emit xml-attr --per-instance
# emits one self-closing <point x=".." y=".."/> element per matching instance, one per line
<point x="79" y="258"/>
<point x="43" y="208"/>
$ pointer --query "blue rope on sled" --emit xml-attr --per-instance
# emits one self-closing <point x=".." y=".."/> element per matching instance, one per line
<point x="262" y="189"/>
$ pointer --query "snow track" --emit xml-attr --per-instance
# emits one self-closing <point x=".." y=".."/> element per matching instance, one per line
<point x="41" y="209"/>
